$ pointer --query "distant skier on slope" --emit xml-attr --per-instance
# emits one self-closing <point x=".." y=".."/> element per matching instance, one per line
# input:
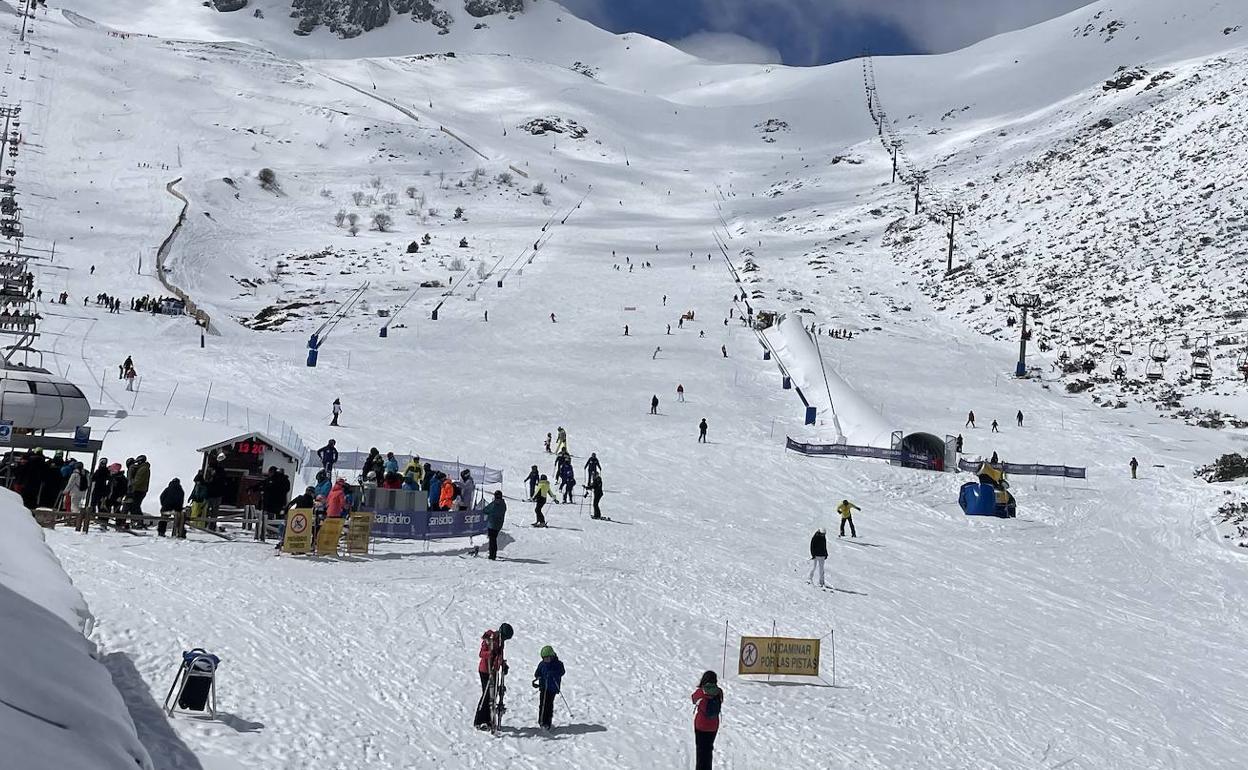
<point x="491" y="668"/>
<point x="594" y="487"/>
<point x="995" y="428"/>
<point x="680" y="393"/>
<point x="654" y="404"/>
<point x="539" y="500"/>
<point x="547" y="680"/>
<point x="1019" y="418"/>
<point x="532" y="480"/>
<point x="495" y="516"/>
<point x="846" y="509"/>
<point x="592" y="466"/>
<point x="818" y="554"/>
<point x="970" y="420"/>
<point x="702" y="431"/>
<point x="561" y="440"/>
<point x="1135" y="464"/>
<point x="328" y="455"/>
<point x="337" y="410"/>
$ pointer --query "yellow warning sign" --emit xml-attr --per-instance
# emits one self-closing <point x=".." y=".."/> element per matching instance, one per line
<point x="359" y="531"/>
<point x="778" y="655"/>
<point x="328" y="536"/>
<point x="298" y="537"/>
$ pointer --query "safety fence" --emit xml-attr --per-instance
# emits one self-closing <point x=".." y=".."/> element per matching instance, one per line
<point x="1026" y="469"/>
<point x="902" y="456"/>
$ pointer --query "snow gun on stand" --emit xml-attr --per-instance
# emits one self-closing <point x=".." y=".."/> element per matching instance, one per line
<point x="990" y="496"/>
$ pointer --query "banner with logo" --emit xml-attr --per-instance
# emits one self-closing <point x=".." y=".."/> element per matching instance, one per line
<point x="427" y="525"/>
<point x="298" y="531"/>
<point x="778" y="655"/>
<point x="328" y="536"/>
<point x="359" y="528"/>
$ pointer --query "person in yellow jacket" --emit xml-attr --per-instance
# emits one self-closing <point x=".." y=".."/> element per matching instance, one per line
<point x="413" y="474"/>
<point x="540" y="496"/>
<point x="846" y="509"/>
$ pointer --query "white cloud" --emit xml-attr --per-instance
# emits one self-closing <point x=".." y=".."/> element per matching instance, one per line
<point x="727" y="47"/>
<point x="944" y="25"/>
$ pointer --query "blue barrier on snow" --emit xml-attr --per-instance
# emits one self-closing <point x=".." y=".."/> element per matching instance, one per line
<point x="1033" y="469"/>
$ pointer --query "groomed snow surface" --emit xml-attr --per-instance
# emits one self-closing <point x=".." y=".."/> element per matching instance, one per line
<point x="1100" y="629"/>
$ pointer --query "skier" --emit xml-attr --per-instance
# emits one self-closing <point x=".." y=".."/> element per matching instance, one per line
<point x="491" y="668"/>
<point x="532" y="480"/>
<point x="846" y="509"/>
<point x="337" y="410"/>
<point x="595" y="487"/>
<point x="495" y="515"/>
<point x="567" y="481"/>
<point x="1019" y="418"/>
<point x="654" y="404"/>
<point x="724" y="349"/>
<point x="970" y="420"/>
<point x="655" y="354"/>
<point x="994" y="459"/>
<point x="547" y="443"/>
<point x="539" y="500"/>
<point x="552" y="318"/>
<point x="708" y="701"/>
<point x="561" y="440"/>
<point x="131" y="375"/>
<point x="680" y="393"/>
<point x="1134" y="465"/>
<point x="957" y="444"/>
<point x="592" y="466"/>
<point x="818" y="553"/>
<point x="546" y="680"/>
<point x="995" y="428"/>
<point x="702" y="431"/>
<point x="140" y="482"/>
<point x="328" y="455"/>
<point x="625" y="330"/>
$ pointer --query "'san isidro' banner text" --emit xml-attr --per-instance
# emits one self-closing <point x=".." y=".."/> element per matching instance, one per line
<point x="778" y="655"/>
<point x="427" y="525"/>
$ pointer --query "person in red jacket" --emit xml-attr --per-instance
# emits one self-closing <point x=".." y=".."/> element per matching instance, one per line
<point x="336" y="503"/>
<point x="446" y="496"/>
<point x="491" y="662"/>
<point x="708" y="699"/>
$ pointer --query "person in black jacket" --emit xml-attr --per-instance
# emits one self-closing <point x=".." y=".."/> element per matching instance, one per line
<point x="171" y="502"/>
<point x="118" y="485"/>
<point x="818" y="553"/>
<point x="532" y="479"/>
<point x="595" y="488"/>
<point x="274" y="492"/>
<point x="99" y="491"/>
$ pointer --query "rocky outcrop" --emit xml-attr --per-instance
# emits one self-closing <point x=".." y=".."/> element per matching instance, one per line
<point x="349" y="18"/>
<point x="225" y="6"/>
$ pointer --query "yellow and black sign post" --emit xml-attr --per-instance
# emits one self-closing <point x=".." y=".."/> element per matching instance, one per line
<point x="359" y="532"/>
<point x="779" y="656"/>
<point x="298" y="531"/>
<point x="328" y="536"/>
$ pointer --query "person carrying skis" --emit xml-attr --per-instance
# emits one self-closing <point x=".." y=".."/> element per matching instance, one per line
<point x="546" y="680"/>
<point x="328" y="455"/>
<point x="846" y="509"/>
<point x="594" y="487"/>
<point x="337" y="410"/>
<point x="654" y="404"/>
<point x="532" y="480"/>
<point x="702" y="431"/>
<point x="540" y="496"/>
<point x="818" y="553"/>
<point x="592" y="466"/>
<point x="495" y="515"/>
<point x="708" y="702"/>
<point x="491" y="667"/>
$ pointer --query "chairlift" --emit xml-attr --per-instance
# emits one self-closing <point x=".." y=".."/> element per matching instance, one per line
<point x="1159" y="352"/>
<point x="1154" y="370"/>
<point x="1118" y="368"/>
<point x="1203" y="373"/>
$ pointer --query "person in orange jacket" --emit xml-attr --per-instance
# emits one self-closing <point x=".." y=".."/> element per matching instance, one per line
<point x="446" y="497"/>
<point x="336" y="503"/>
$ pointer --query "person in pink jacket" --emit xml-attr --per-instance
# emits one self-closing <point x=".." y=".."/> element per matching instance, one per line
<point x="708" y="699"/>
<point x="336" y="503"/>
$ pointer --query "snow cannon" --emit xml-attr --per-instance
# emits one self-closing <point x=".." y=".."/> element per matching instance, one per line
<point x="989" y="496"/>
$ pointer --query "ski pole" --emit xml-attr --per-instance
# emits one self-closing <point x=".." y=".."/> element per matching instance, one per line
<point x="566" y="706"/>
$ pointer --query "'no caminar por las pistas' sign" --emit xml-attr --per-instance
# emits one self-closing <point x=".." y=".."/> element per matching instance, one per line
<point x="298" y="531"/>
<point x="778" y="655"/>
<point x="328" y="536"/>
<point x="359" y="527"/>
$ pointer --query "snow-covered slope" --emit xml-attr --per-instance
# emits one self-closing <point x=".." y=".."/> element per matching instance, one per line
<point x="1093" y="631"/>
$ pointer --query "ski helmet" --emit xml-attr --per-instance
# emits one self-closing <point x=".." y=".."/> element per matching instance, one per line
<point x="548" y="652"/>
<point x="505" y="631"/>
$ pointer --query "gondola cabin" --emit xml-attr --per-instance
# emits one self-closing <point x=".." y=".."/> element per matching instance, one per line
<point x="35" y="399"/>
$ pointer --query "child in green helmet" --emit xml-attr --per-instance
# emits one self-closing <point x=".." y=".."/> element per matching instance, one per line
<point x="546" y="680"/>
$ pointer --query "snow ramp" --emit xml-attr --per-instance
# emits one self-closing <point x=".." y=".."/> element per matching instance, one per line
<point x="837" y="404"/>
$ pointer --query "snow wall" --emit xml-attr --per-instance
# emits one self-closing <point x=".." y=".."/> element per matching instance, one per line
<point x="859" y="423"/>
<point x="59" y="708"/>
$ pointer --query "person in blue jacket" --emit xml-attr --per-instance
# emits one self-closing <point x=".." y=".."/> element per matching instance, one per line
<point x="546" y="680"/>
<point x="435" y="490"/>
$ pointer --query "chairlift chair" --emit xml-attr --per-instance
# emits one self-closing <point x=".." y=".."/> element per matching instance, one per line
<point x="1159" y="352"/>
<point x="1203" y="373"/>
<point x="1154" y="370"/>
<point x="1118" y="367"/>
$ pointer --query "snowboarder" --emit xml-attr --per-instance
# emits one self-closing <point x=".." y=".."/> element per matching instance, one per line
<point x="654" y="404"/>
<point x="539" y="500"/>
<point x="1134" y="465"/>
<point x="818" y="553"/>
<point x="492" y="667"/>
<point x="846" y="509"/>
<point x="337" y="410"/>
<point x="1019" y="418"/>
<point x="532" y="480"/>
<point x="702" y="431"/>
<point x="970" y="420"/>
<point x="495" y="515"/>
<point x="680" y="393"/>
<point x="592" y="466"/>
<point x="995" y="428"/>
<point x="656" y="352"/>
<point x="547" y="680"/>
<point x="328" y="455"/>
<point x="594" y="487"/>
<point x="708" y="701"/>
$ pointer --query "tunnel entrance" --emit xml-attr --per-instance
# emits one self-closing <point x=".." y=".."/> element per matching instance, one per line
<point x="928" y="451"/>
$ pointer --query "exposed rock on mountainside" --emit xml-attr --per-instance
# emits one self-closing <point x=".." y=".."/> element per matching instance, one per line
<point x="349" y="18"/>
<point x="225" y="6"/>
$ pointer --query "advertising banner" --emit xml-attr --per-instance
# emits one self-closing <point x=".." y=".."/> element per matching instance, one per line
<point x="427" y="525"/>
<point x="778" y="655"/>
<point x="298" y="531"/>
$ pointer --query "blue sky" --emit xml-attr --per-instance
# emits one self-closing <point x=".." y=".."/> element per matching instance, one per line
<point x="806" y="32"/>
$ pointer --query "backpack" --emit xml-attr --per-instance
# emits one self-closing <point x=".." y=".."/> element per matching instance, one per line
<point x="713" y="706"/>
